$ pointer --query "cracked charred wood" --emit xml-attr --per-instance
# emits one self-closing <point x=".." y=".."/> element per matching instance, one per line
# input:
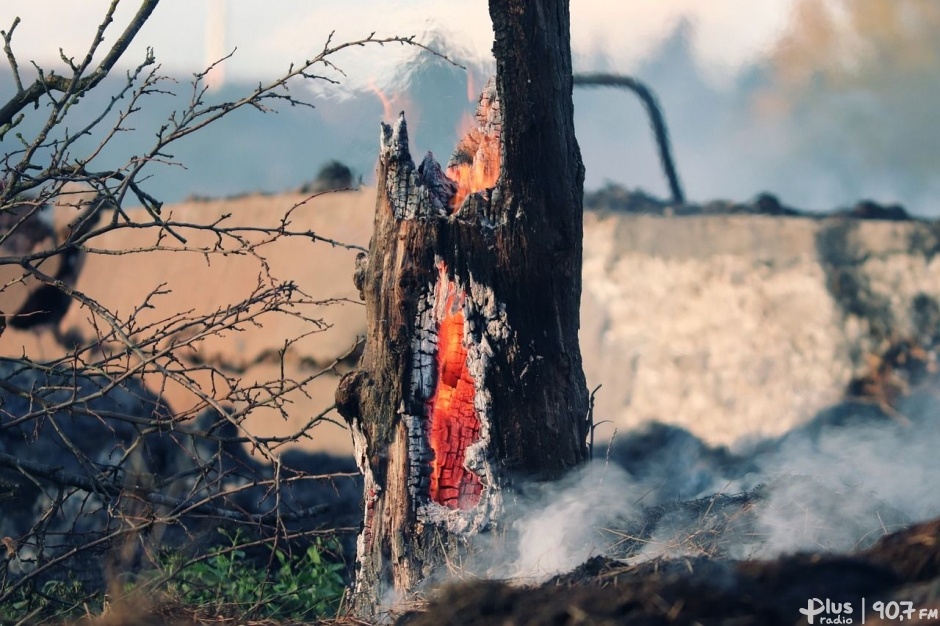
<point x="471" y="375"/>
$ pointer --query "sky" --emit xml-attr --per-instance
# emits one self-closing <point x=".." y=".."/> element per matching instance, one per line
<point x="835" y="138"/>
<point x="728" y="33"/>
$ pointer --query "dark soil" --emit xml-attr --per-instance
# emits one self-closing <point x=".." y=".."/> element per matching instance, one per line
<point x="903" y="566"/>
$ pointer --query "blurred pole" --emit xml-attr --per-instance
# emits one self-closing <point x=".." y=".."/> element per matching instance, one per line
<point x="215" y="43"/>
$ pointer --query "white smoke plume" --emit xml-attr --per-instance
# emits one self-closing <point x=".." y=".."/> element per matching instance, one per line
<point x="836" y="484"/>
<point x="562" y="526"/>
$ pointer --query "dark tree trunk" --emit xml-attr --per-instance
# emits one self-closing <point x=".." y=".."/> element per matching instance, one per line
<point x="471" y="376"/>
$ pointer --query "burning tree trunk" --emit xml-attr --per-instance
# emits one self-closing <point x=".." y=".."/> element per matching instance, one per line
<point x="471" y="375"/>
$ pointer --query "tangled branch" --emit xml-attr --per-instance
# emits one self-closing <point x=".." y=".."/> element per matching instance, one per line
<point x="92" y="459"/>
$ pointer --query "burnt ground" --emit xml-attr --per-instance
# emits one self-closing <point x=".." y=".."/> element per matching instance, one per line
<point x="707" y="577"/>
<point x="712" y="574"/>
<point x="714" y="570"/>
<point x="904" y="566"/>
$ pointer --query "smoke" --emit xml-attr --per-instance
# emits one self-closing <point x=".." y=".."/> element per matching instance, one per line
<point x="866" y="479"/>
<point x="561" y="526"/>
<point x="838" y="108"/>
<point x="862" y="77"/>
<point x="836" y="484"/>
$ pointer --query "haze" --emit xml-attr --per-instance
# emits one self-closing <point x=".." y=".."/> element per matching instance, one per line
<point x="821" y="103"/>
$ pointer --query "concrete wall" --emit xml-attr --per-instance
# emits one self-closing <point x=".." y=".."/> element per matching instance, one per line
<point x="745" y="325"/>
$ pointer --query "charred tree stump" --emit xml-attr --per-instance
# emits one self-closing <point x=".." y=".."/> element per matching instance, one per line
<point x="471" y="375"/>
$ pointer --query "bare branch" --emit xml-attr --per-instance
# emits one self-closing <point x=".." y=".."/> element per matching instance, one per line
<point x="153" y="466"/>
<point x="7" y="38"/>
<point x="47" y="84"/>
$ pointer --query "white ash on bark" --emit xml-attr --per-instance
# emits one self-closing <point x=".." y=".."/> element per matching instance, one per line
<point x="484" y="325"/>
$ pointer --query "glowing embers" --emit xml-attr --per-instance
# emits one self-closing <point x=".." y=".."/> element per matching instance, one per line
<point x="476" y="161"/>
<point x="453" y="423"/>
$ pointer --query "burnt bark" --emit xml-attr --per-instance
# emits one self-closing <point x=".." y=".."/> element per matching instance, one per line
<point x="471" y="375"/>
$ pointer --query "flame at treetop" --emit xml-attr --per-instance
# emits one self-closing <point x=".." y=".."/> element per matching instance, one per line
<point x="476" y="162"/>
<point x="453" y="421"/>
<point x="392" y="104"/>
<point x="386" y="103"/>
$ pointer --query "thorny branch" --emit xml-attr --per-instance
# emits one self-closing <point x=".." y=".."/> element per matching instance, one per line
<point x="155" y="471"/>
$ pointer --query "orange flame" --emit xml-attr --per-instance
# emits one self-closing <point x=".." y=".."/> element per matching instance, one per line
<point x="387" y="110"/>
<point x="478" y="154"/>
<point x="454" y="424"/>
<point x="471" y="87"/>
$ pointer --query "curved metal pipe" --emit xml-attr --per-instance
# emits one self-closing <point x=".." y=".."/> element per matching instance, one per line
<point x="657" y="121"/>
